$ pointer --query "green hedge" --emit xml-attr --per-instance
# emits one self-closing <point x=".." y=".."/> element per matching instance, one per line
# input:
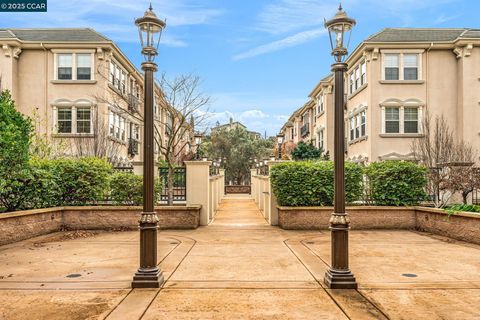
<point x="396" y="183"/>
<point x="81" y="181"/>
<point x="127" y="189"/>
<point x="311" y="183"/>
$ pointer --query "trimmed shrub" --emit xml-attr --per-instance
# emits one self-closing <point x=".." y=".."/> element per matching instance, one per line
<point x="15" y="131"/>
<point x="127" y="189"/>
<point x="81" y="181"/>
<point x="396" y="183"/>
<point x="311" y="183"/>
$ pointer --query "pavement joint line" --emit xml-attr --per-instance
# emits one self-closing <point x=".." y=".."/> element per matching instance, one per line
<point x="115" y="307"/>
<point x="321" y="285"/>
<point x="379" y="309"/>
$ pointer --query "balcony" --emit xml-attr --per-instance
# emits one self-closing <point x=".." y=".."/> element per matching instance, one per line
<point x="133" y="103"/>
<point x="305" y="130"/>
<point x="132" y="147"/>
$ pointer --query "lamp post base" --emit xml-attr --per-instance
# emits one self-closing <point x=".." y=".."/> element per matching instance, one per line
<point x="340" y="279"/>
<point x="148" y="278"/>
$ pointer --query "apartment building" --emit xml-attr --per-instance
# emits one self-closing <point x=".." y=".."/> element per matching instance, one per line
<point x="394" y="78"/>
<point x="82" y="90"/>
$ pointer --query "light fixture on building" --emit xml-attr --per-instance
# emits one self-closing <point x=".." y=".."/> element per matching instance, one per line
<point x="280" y="141"/>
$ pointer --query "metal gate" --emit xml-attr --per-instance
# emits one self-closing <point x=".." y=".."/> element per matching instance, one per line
<point x="236" y="188"/>
<point x="179" y="184"/>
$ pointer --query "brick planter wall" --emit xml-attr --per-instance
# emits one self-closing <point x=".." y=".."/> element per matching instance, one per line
<point x="23" y="225"/>
<point x="317" y="218"/>
<point x="461" y="226"/>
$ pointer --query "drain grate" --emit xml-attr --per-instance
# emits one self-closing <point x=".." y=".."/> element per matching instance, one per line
<point x="409" y="275"/>
<point x="74" y="275"/>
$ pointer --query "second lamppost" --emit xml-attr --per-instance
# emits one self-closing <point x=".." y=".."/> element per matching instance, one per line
<point x="280" y="140"/>
<point x="148" y="275"/>
<point x="198" y="142"/>
<point x="339" y="276"/>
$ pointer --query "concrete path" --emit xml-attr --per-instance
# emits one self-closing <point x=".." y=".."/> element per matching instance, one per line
<point x="239" y="267"/>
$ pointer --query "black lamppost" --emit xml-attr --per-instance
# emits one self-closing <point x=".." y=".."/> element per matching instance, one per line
<point x="198" y="142"/>
<point x="339" y="275"/>
<point x="280" y="139"/>
<point x="148" y="275"/>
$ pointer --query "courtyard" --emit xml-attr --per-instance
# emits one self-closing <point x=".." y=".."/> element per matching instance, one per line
<point x="239" y="267"/>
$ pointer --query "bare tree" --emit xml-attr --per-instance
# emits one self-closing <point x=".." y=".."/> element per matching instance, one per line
<point x="184" y="104"/>
<point x="100" y="144"/>
<point x="449" y="161"/>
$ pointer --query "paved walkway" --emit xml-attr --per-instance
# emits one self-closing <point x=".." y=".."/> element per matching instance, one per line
<point x="239" y="267"/>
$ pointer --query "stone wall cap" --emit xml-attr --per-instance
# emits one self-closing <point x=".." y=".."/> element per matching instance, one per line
<point x="198" y="163"/>
<point x="97" y="208"/>
<point x="330" y="208"/>
<point x="29" y="212"/>
<point x="465" y="214"/>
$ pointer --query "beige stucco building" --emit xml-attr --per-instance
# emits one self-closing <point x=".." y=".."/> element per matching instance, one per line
<point x="394" y="78"/>
<point x="81" y="90"/>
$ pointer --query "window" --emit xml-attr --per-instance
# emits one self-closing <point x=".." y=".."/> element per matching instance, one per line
<point x="352" y="81"/>
<point x="363" y="123"/>
<point x="117" y="126"/>
<point x="320" y="104"/>
<point x="358" y="77"/>
<point x="123" y="87"/>
<point x="321" y="143"/>
<point x="358" y="123"/>
<point x="74" y="66"/>
<point x="352" y="128"/>
<point x="84" y="66"/>
<point x="392" y="66"/>
<point x="363" y="67"/>
<point x="111" y="77"/>
<point x="135" y="134"/>
<point x="64" y="71"/>
<point x="73" y="120"/>
<point x="84" y="123"/>
<point x="392" y="120"/>
<point x="111" y="123"/>
<point x="410" y="120"/>
<point x="122" y="128"/>
<point x="410" y="66"/>
<point x="64" y="123"/>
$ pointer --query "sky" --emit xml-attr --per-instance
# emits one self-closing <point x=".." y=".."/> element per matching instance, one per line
<point x="258" y="59"/>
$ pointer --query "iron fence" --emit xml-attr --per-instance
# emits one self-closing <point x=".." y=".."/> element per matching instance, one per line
<point x="179" y="184"/>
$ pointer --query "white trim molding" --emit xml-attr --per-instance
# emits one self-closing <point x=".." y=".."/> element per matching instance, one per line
<point x="397" y="156"/>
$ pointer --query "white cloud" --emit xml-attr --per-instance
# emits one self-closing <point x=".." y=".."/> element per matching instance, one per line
<point x="287" y="42"/>
<point x="115" y="18"/>
<point x="265" y="116"/>
<point x="289" y="15"/>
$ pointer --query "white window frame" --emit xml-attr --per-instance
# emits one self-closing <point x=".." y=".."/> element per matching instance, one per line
<point x="402" y="105"/>
<point x="74" y="53"/>
<point x="401" y="54"/>
<point x="73" y="109"/>
<point x="355" y="124"/>
<point x="357" y="78"/>
<point x="119" y="124"/>
<point x="321" y="139"/>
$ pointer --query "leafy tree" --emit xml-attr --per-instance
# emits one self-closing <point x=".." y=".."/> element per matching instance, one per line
<point x="15" y="132"/>
<point x="307" y="151"/>
<point x="238" y="146"/>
